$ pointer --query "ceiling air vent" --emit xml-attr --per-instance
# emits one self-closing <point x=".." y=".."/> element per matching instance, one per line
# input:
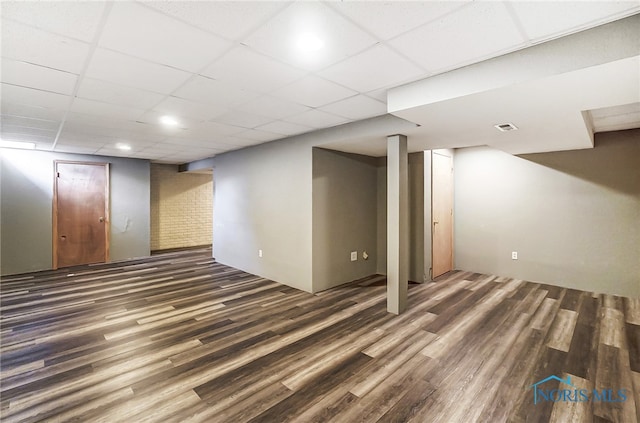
<point x="505" y="127"/>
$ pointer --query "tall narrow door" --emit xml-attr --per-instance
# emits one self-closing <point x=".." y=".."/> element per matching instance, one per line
<point x="441" y="214"/>
<point x="80" y="213"/>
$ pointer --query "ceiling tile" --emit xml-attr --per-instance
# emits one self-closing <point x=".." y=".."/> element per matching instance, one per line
<point x="284" y="128"/>
<point x="67" y="148"/>
<point x="71" y="138"/>
<point x="106" y="110"/>
<point x="175" y="106"/>
<point x="243" y="119"/>
<point x="238" y="142"/>
<point x="29" y="122"/>
<point x="477" y="31"/>
<point x="358" y="107"/>
<point x="223" y="142"/>
<point x="375" y="68"/>
<point x="257" y="135"/>
<point x="33" y="98"/>
<point x="209" y="143"/>
<point x="29" y="111"/>
<point x="23" y="43"/>
<point x="205" y="130"/>
<point x="239" y="66"/>
<point x="125" y="70"/>
<point x="143" y="32"/>
<point x="152" y="120"/>
<point x="383" y="18"/>
<point x="80" y="140"/>
<point x="207" y="90"/>
<point x="313" y="92"/>
<point x="112" y="151"/>
<point x="272" y="107"/>
<point x="39" y="77"/>
<point x="278" y="37"/>
<point x="42" y="140"/>
<point x="163" y="148"/>
<point x="316" y="119"/>
<point x="545" y="20"/>
<point x="9" y="130"/>
<point x="230" y="19"/>
<point x="99" y="121"/>
<point x="105" y="127"/>
<point x="78" y="19"/>
<point x="94" y="89"/>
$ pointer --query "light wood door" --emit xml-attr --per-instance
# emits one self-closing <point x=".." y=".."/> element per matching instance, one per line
<point x="441" y="214"/>
<point x="80" y="213"/>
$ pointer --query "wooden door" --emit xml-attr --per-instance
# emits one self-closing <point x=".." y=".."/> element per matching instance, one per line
<point x="441" y="214"/>
<point x="80" y="213"/>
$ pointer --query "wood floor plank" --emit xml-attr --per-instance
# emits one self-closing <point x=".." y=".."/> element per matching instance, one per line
<point x="178" y="337"/>
<point x="635" y="377"/>
<point x="632" y="310"/>
<point x="567" y="411"/>
<point x="633" y="342"/>
<point x="562" y="330"/>
<point x="613" y="375"/>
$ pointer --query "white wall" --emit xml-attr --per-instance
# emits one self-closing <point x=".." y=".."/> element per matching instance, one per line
<point x="573" y="217"/>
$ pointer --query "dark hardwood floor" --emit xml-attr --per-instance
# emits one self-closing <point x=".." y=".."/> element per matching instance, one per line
<point x="180" y="338"/>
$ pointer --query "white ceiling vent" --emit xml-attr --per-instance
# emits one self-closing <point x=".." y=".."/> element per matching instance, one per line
<point x="505" y="127"/>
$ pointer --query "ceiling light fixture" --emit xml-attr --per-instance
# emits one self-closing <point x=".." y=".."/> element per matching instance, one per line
<point x="18" y="144"/>
<point x="309" y="42"/>
<point x="505" y="127"/>
<point x="123" y="147"/>
<point x="169" y="121"/>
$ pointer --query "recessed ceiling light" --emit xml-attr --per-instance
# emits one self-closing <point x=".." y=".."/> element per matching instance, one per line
<point x="17" y="144"/>
<point x="123" y="147"/>
<point x="169" y="120"/>
<point x="505" y="127"/>
<point x="309" y="42"/>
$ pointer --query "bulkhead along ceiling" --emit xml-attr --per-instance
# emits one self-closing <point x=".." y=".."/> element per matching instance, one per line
<point x="176" y="81"/>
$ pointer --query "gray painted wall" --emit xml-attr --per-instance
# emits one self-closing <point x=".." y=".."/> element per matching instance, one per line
<point x="263" y="200"/>
<point x="381" y="218"/>
<point x="344" y="217"/>
<point x="419" y="213"/>
<point x="417" y="179"/>
<point x="27" y="202"/>
<point x="573" y="216"/>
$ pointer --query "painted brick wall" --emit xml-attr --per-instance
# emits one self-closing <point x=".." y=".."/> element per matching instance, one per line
<point x="181" y="208"/>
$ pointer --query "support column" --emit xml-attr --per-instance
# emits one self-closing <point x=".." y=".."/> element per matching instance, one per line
<point x="397" y="223"/>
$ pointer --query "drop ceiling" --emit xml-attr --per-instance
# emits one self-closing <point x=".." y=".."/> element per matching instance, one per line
<point x="82" y="77"/>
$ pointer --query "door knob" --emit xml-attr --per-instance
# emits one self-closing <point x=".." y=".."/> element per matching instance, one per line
<point x="435" y="222"/>
<point x="101" y="219"/>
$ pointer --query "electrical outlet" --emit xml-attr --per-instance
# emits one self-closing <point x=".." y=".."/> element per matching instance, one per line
<point x="259" y="253"/>
<point x="354" y="255"/>
<point x="514" y="255"/>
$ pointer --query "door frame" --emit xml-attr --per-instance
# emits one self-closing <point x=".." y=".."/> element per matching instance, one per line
<point x="432" y="224"/>
<point x="107" y="206"/>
